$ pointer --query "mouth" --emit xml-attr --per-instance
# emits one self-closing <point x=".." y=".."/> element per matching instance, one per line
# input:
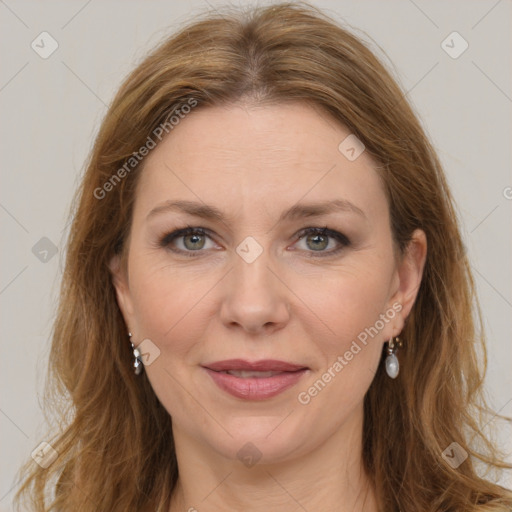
<point x="256" y="380"/>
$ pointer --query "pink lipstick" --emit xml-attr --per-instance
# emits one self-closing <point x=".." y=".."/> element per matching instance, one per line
<point x="256" y="380"/>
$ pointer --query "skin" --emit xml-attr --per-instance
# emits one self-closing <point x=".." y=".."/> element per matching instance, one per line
<point x="290" y="304"/>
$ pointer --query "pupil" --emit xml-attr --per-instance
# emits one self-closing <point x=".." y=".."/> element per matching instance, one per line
<point x="318" y="237"/>
<point x="196" y="237"/>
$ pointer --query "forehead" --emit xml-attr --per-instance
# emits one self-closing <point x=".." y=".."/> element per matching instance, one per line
<point x="264" y="156"/>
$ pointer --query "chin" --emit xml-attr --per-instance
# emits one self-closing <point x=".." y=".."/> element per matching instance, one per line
<point x="260" y="439"/>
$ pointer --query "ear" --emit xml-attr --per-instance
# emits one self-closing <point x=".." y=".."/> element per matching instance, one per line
<point x="120" y="281"/>
<point x="409" y="275"/>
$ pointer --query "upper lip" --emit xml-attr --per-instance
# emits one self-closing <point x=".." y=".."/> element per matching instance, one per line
<point x="264" y="365"/>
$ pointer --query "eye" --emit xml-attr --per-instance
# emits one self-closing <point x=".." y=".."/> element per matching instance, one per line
<point x="318" y="240"/>
<point x="192" y="240"/>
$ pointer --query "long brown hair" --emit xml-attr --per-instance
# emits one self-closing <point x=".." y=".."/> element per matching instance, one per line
<point x="114" y="441"/>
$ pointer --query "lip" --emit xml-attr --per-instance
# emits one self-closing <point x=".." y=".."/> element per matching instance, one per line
<point x="255" y="388"/>
<point x="264" y="365"/>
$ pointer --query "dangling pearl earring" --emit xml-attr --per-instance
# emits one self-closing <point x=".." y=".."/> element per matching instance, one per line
<point x="392" y="365"/>
<point x="137" y="364"/>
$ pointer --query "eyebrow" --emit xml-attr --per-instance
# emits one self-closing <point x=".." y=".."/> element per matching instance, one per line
<point x="297" y="211"/>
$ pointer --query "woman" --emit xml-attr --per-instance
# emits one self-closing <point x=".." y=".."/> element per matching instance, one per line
<point x="266" y="302"/>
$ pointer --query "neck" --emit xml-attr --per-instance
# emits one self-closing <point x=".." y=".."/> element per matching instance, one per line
<point x="329" y="478"/>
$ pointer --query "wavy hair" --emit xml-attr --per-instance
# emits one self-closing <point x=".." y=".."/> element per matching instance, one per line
<point x="114" y="438"/>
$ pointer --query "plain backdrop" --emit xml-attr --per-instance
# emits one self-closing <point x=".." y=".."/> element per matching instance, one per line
<point x="51" y="109"/>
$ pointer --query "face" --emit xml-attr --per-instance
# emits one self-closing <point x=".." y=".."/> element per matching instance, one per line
<point x="287" y="279"/>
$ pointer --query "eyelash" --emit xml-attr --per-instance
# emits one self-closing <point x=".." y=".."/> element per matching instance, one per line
<point x="166" y="240"/>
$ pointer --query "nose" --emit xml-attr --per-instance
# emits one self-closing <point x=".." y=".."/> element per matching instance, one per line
<point x="256" y="298"/>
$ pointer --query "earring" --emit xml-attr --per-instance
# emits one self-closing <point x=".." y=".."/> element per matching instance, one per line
<point x="137" y="364"/>
<point x="392" y="365"/>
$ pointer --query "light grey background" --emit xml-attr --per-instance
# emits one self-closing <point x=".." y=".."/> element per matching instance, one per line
<point x="51" y="109"/>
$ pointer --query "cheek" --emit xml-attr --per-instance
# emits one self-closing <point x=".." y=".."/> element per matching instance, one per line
<point x="348" y="304"/>
<point x="165" y="304"/>
<point x="330" y="310"/>
<point x="336" y="305"/>
<point x="350" y="352"/>
<point x="170" y="312"/>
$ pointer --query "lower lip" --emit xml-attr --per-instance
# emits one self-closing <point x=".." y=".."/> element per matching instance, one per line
<point x="255" y="388"/>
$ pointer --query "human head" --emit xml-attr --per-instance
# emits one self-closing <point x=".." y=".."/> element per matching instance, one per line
<point x="278" y="300"/>
<point x="281" y="55"/>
